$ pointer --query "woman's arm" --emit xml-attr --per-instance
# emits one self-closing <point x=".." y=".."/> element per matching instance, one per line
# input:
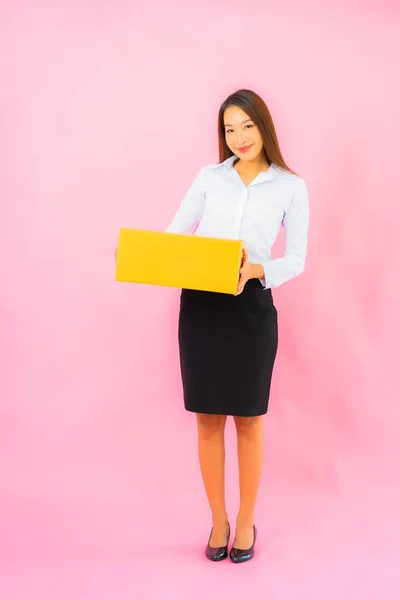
<point x="191" y="208"/>
<point x="296" y="223"/>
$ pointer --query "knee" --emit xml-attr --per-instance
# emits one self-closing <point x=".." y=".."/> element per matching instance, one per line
<point x="210" y="424"/>
<point x="247" y="425"/>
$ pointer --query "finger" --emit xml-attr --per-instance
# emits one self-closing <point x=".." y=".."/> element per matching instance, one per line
<point x="243" y="268"/>
<point x="242" y="282"/>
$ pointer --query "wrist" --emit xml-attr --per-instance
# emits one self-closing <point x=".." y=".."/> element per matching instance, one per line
<point x="256" y="271"/>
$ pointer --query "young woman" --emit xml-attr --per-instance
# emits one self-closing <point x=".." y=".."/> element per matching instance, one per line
<point x="228" y="343"/>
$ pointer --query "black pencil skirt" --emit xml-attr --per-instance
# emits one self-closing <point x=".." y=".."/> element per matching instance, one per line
<point x="227" y="348"/>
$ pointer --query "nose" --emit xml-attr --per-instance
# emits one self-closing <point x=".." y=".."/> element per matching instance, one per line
<point x="240" y="139"/>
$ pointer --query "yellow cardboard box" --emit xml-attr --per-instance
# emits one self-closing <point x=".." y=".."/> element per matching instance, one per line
<point x="178" y="260"/>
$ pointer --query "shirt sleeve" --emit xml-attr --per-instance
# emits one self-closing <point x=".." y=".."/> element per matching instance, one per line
<point x="295" y="223"/>
<point x="190" y="211"/>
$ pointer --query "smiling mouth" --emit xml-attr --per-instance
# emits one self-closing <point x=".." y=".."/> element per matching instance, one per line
<point x="245" y="148"/>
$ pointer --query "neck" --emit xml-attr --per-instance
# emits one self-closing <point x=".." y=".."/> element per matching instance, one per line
<point x="259" y="163"/>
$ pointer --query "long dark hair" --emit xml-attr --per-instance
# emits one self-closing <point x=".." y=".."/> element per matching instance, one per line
<point x="253" y="105"/>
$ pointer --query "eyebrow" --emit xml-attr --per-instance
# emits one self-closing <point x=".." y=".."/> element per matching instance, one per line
<point x="229" y="125"/>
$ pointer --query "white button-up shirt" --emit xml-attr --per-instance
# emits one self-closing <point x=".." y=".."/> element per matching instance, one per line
<point x="219" y="204"/>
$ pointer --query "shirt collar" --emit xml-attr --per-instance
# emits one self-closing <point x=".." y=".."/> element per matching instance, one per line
<point x="268" y="175"/>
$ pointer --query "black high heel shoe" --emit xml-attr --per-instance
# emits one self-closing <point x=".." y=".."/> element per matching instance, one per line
<point x="217" y="554"/>
<point x="238" y="556"/>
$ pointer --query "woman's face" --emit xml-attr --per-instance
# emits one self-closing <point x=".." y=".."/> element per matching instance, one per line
<point x="241" y="134"/>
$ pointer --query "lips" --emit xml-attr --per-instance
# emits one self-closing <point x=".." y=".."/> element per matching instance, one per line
<point x="245" y="148"/>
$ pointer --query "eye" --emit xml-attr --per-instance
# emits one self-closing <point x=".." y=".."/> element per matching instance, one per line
<point x="250" y="126"/>
<point x="229" y="130"/>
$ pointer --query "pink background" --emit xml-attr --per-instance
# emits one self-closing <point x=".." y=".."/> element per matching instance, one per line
<point x="107" y="111"/>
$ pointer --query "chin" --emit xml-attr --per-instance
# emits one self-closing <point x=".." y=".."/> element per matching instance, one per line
<point x="249" y="156"/>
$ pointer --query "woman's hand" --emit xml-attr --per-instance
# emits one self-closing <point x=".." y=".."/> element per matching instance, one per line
<point x="245" y="273"/>
<point x="248" y="271"/>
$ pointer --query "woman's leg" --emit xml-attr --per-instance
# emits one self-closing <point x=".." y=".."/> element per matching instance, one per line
<point x="250" y="444"/>
<point x="211" y="447"/>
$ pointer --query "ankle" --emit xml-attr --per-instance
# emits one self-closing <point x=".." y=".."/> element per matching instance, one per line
<point x="245" y="521"/>
<point x="220" y="520"/>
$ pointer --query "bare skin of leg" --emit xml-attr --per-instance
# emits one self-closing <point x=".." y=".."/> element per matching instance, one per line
<point x="211" y="447"/>
<point x="250" y="444"/>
